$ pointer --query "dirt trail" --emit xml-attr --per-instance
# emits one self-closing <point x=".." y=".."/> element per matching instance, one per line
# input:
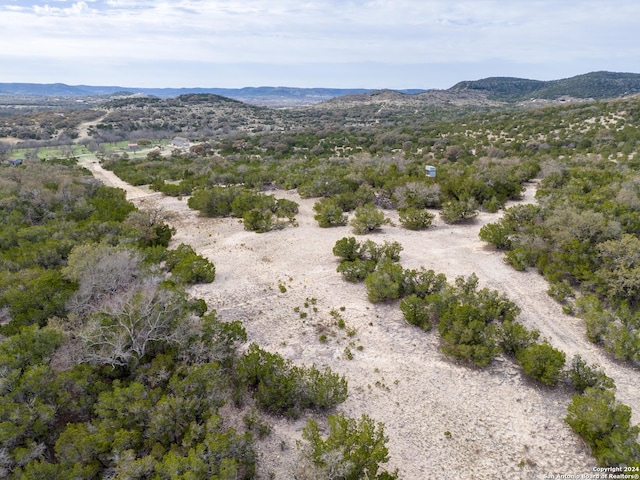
<point x="112" y="180"/>
<point x="443" y="420"/>
<point x="83" y="128"/>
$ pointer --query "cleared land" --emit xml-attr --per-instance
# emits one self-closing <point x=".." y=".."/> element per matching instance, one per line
<point x="500" y="424"/>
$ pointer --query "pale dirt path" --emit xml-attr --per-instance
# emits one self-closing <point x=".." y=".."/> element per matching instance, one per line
<point x="83" y="128"/>
<point x="110" y="179"/>
<point x="502" y="425"/>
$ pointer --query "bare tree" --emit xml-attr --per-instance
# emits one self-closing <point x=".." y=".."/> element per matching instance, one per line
<point x="101" y="272"/>
<point x="126" y="328"/>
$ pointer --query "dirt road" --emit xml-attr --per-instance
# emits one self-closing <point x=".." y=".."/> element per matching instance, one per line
<point x="443" y="420"/>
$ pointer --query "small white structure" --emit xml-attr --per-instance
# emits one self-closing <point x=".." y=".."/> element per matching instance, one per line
<point x="430" y="170"/>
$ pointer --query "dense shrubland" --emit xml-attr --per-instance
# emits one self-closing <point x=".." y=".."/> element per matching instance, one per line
<point x="392" y="181"/>
<point x="583" y="237"/>
<point x="47" y="124"/>
<point x="481" y="161"/>
<point x="109" y="368"/>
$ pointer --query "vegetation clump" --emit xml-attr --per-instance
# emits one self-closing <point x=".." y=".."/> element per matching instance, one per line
<point x="605" y="425"/>
<point x="260" y="213"/>
<point x="416" y="219"/>
<point x="329" y="213"/>
<point x="186" y="266"/>
<point x="542" y="362"/>
<point x="283" y="388"/>
<point x="352" y="449"/>
<point x="368" y="219"/>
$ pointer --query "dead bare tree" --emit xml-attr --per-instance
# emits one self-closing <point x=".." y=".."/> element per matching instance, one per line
<point x="101" y="271"/>
<point x="130" y="324"/>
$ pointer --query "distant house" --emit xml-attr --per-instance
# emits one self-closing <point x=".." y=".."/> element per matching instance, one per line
<point x="132" y="146"/>
<point x="15" y="161"/>
<point x="430" y="171"/>
<point x="181" y="142"/>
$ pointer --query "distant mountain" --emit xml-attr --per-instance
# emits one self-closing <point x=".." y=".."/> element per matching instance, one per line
<point x="595" y="85"/>
<point x="46" y="90"/>
<point x="254" y="95"/>
<point x="502" y="88"/>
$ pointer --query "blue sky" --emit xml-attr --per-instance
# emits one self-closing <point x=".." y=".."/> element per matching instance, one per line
<point x="313" y="43"/>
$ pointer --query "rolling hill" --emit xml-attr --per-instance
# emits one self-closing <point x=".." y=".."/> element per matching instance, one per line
<point x="594" y="85"/>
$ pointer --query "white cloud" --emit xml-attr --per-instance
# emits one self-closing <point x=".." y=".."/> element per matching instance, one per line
<point x="76" y="9"/>
<point x="323" y="32"/>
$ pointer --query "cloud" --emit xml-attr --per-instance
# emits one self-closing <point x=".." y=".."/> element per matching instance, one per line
<point x="76" y="9"/>
<point x="322" y="32"/>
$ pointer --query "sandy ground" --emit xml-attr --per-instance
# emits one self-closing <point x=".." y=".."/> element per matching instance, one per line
<point x="500" y="424"/>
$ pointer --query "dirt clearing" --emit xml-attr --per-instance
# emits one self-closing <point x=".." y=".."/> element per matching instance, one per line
<point x="443" y="420"/>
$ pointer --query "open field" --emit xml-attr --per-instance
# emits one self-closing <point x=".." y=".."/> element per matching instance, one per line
<point x="443" y="420"/>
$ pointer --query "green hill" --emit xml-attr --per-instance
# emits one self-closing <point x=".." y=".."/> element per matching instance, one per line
<point x="595" y="85"/>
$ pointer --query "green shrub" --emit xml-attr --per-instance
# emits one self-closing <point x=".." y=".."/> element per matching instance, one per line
<point x="457" y="211"/>
<point x="214" y="202"/>
<point x="187" y="266"/>
<point x="355" y="448"/>
<point x="521" y="258"/>
<point x="516" y="337"/>
<point x="386" y="282"/>
<point x="560" y="290"/>
<point x="347" y="248"/>
<point x="32" y="345"/>
<point x="248" y="200"/>
<point x="606" y="427"/>
<point x="286" y="208"/>
<point x="357" y="270"/>
<point x="492" y="205"/>
<point x="40" y="295"/>
<point x="496" y="234"/>
<point x="542" y="362"/>
<point x="416" y="311"/>
<point x="424" y="282"/>
<point x="466" y="336"/>
<point x="368" y="219"/>
<point x="415" y="218"/>
<point x="329" y="213"/>
<point x="259" y="221"/>
<point x="273" y="379"/>
<point x="370" y="250"/>
<point x="110" y="205"/>
<point x="282" y="388"/>
<point x="322" y="390"/>
<point x="583" y="376"/>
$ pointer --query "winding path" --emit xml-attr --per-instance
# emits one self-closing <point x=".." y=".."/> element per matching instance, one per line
<point x="500" y="424"/>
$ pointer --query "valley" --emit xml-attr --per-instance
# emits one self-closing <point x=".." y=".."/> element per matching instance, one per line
<point x="200" y="274"/>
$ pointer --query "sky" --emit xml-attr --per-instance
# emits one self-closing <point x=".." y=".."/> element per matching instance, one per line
<point x="397" y="44"/>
